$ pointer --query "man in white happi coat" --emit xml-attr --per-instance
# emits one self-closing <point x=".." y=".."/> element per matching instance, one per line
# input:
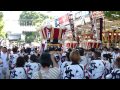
<point x="4" y="69"/>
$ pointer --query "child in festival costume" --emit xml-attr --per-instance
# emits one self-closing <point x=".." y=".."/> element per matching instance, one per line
<point x="115" y="74"/>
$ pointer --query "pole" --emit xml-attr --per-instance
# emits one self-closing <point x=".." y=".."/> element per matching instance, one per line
<point x="101" y="28"/>
<point x="70" y="16"/>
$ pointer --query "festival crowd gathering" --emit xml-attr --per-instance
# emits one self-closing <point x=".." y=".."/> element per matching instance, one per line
<point x="56" y="63"/>
<point x="81" y="51"/>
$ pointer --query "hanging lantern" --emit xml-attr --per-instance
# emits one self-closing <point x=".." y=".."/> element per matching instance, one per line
<point x="119" y="34"/>
<point x="110" y="34"/>
<point x="115" y="34"/>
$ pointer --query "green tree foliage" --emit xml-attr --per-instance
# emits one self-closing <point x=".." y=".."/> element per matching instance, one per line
<point x="28" y="18"/>
<point x="2" y="33"/>
<point x="31" y="18"/>
<point x="29" y="37"/>
<point x="112" y="15"/>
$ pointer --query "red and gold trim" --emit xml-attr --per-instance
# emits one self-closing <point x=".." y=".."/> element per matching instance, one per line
<point x="60" y="35"/>
<point x="52" y="34"/>
<point x="97" y="45"/>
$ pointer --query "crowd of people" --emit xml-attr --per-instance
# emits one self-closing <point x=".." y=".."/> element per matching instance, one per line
<point x="56" y="63"/>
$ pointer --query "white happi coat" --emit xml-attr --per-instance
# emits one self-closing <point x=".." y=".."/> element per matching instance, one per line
<point x="31" y="68"/>
<point x="18" y="73"/>
<point x="74" y="71"/>
<point x="63" y="67"/>
<point x="115" y="74"/>
<point x="13" y="60"/>
<point x="96" y="69"/>
<point x="108" y="67"/>
<point x="116" y="55"/>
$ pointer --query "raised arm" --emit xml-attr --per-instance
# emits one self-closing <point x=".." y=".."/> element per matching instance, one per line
<point x="53" y="60"/>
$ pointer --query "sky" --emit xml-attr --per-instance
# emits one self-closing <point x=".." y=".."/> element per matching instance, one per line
<point x="11" y="15"/>
<point x="14" y="15"/>
<point x="11" y="19"/>
<point x="55" y="13"/>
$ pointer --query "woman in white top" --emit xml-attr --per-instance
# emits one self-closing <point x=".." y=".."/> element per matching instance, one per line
<point x="19" y="71"/>
<point x="46" y="71"/>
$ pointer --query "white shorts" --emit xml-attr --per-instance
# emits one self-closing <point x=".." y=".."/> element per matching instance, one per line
<point x="4" y="73"/>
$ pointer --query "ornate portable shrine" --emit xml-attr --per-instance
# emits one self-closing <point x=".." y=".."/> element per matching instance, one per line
<point x="53" y="36"/>
<point x="88" y="41"/>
